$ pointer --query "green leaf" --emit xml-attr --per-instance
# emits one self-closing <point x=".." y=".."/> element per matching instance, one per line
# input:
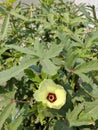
<point x="14" y="125"/>
<point x="85" y="12"/>
<point x="5" y="98"/>
<point x="61" y="35"/>
<point x="93" y="36"/>
<point x="77" y="20"/>
<point x="20" y="49"/>
<point x="84" y="78"/>
<point x="45" y="7"/>
<point x="54" y="51"/>
<point x="2" y="50"/>
<point x="3" y="10"/>
<point x="14" y="71"/>
<point x="31" y="75"/>
<point x="72" y="116"/>
<point x="90" y="113"/>
<point x="94" y="92"/>
<point x="18" y="118"/>
<point x="4" y="28"/>
<point x="39" y="50"/>
<point x="5" y="113"/>
<point x="49" y="67"/>
<point x="86" y="67"/>
<point x="44" y="53"/>
<point x="62" y="125"/>
<point x="70" y="58"/>
<point x="83" y="114"/>
<point x="19" y="16"/>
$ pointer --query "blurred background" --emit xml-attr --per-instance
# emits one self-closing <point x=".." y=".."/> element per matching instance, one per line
<point x="88" y="2"/>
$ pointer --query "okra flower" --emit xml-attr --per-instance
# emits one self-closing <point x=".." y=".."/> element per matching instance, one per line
<point x="51" y="94"/>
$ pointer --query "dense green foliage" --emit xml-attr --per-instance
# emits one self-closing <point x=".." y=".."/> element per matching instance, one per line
<point x="58" y="41"/>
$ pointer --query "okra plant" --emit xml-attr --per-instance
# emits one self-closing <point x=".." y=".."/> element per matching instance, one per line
<point x="48" y="66"/>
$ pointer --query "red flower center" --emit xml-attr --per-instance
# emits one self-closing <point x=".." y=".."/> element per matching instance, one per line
<point x="51" y="97"/>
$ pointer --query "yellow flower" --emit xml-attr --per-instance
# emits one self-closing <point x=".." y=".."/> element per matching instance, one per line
<point x="51" y="94"/>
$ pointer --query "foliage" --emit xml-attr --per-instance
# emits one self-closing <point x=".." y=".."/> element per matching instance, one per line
<point x="57" y="41"/>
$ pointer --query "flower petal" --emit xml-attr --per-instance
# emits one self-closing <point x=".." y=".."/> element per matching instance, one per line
<point x="40" y="95"/>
